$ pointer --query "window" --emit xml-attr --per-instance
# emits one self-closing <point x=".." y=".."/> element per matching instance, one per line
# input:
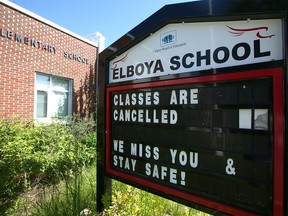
<point x="53" y="97"/>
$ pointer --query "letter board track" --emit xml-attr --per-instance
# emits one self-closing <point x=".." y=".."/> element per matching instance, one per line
<point x="215" y="140"/>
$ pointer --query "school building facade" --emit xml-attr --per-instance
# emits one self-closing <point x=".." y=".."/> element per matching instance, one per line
<point x="45" y="70"/>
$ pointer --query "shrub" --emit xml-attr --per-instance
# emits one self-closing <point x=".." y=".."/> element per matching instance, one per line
<point x="33" y="153"/>
<point x="128" y="200"/>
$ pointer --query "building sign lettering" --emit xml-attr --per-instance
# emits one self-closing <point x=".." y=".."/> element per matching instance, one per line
<point x="190" y="47"/>
<point x="75" y="57"/>
<point x="28" y="41"/>
<point x="39" y="45"/>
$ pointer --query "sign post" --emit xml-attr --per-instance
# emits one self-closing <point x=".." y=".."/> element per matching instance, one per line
<point x="194" y="112"/>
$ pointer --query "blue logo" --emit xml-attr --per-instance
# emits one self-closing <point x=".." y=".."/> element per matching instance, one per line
<point x="168" y="38"/>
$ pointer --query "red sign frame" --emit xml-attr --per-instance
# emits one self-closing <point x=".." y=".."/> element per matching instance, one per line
<point x="278" y="127"/>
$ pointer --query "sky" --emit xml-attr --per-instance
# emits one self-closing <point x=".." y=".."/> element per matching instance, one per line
<point x="112" y="18"/>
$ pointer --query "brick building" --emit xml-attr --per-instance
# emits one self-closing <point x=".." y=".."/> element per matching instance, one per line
<point x="45" y="70"/>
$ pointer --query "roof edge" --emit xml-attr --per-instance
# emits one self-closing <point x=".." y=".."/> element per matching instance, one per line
<point x="46" y="21"/>
<point x="199" y="9"/>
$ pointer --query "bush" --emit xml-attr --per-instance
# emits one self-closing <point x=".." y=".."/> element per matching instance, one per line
<point x="33" y="153"/>
<point x="128" y="200"/>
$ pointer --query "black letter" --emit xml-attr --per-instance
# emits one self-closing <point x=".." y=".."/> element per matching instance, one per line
<point x="148" y="66"/>
<point x="184" y="60"/>
<point x="9" y="34"/>
<point x="141" y="67"/>
<point x="257" y="52"/>
<point x="33" y="43"/>
<point x="2" y="32"/>
<point x="158" y="66"/>
<point x="216" y="56"/>
<point x="206" y="56"/>
<point x="174" y="61"/>
<point x="246" y="54"/>
<point x="26" y="40"/>
<point x="130" y="71"/>
<point x="116" y="73"/>
<point x="121" y="74"/>
<point x="18" y="38"/>
<point x="65" y="54"/>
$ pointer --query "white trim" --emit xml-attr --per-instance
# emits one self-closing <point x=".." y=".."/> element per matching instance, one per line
<point x="41" y="19"/>
<point x="49" y="91"/>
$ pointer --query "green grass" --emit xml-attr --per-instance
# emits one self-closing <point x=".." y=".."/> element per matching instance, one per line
<point x="73" y="195"/>
<point x="67" y="198"/>
<point x="70" y="197"/>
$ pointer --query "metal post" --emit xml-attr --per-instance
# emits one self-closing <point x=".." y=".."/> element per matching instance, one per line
<point x="103" y="188"/>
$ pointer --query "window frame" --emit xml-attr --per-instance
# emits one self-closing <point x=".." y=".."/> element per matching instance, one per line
<point x="49" y="91"/>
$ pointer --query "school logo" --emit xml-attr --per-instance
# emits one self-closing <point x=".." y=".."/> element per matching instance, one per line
<point x="168" y="38"/>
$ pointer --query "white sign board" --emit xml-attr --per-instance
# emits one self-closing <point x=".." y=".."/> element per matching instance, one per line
<point x="190" y="47"/>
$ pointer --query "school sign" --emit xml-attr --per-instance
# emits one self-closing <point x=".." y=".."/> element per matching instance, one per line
<point x="194" y="112"/>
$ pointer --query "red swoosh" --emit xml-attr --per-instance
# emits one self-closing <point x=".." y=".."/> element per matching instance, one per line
<point x="260" y="36"/>
<point x="238" y="32"/>
<point x="122" y="59"/>
<point x="249" y="29"/>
